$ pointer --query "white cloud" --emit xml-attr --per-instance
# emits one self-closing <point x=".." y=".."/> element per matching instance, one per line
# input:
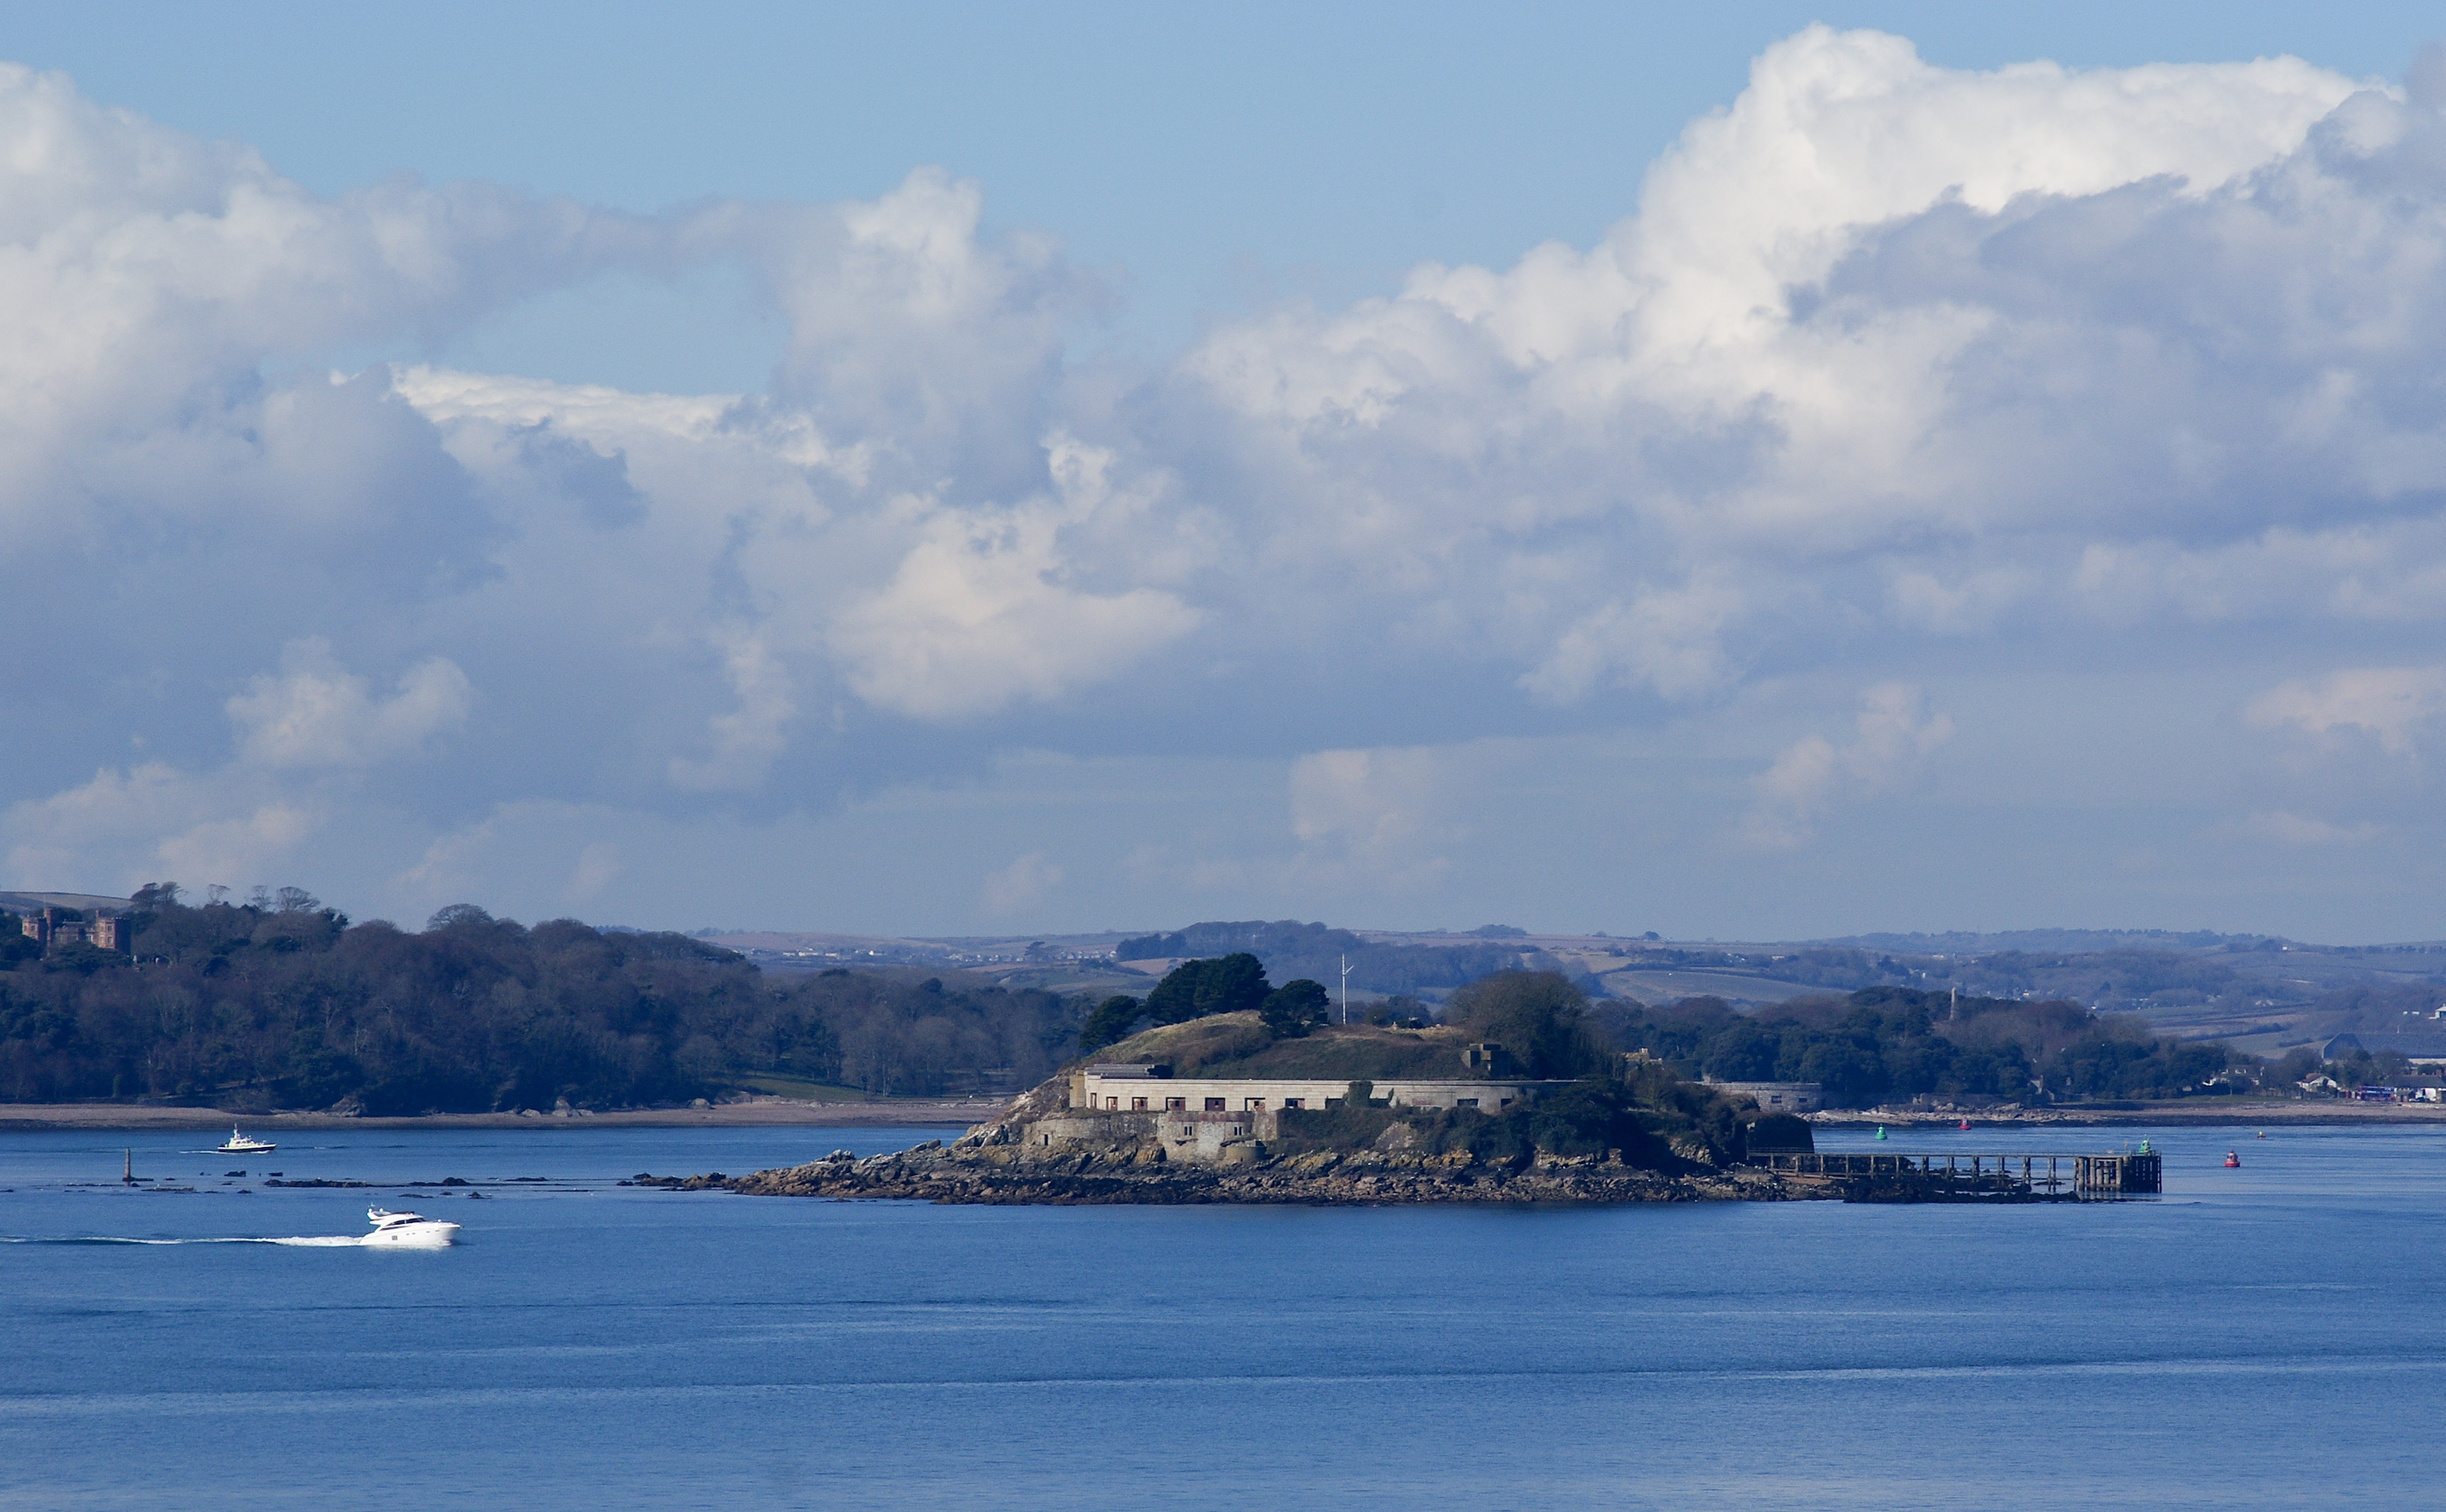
<point x="2388" y="703"/>
<point x="984" y="607"/>
<point x="2302" y="829"/>
<point x="453" y="868"/>
<point x="746" y="739"/>
<point x="1970" y="604"/>
<point x="317" y="713"/>
<point x="1886" y="357"/>
<point x="1020" y="885"/>
<point x="1665" y="639"/>
<point x="1890" y="750"/>
<point x="302" y="735"/>
<point x="148" y="823"/>
<point x="1384" y="816"/>
<point x="238" y="847"/>
<point x="599" y="867"/>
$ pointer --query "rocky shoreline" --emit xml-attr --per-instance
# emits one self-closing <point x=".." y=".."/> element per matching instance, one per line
<point x="987" y="1167"/>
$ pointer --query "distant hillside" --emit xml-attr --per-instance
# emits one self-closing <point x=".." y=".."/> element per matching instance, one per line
<point x="82" y="902"/>
<point x="1291" y="950"/>
<point x="2047" y="941"/>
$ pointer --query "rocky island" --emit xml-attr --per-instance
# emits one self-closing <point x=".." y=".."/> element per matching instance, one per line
<point x="1270" y="1106"/>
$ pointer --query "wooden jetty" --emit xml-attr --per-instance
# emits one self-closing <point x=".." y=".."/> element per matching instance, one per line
<point x="2091" y="1178"/>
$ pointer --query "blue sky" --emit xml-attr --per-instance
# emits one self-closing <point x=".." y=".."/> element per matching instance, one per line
<point x="965" y="468"/>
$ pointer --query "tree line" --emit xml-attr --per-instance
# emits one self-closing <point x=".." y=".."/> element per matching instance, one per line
<point x="281" y="1003"/>
<point x="1886" y="1043"/>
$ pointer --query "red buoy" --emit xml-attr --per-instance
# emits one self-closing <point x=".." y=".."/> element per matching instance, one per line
<point x="2231" y="1159"/>
<point x="1965" y="1123"/>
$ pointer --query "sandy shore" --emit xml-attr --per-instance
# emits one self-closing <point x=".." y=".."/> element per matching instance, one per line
<point x="775" y="1112"/>
<point x="2220" y="1114"/>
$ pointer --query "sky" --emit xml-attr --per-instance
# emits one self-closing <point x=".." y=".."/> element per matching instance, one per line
<point x="1741" y="471"/>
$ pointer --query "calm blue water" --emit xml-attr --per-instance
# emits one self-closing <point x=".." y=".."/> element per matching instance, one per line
<point x="2259" y="1338"/>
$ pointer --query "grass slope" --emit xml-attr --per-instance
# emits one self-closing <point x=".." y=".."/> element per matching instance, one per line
<point x="1237" y="1045"/>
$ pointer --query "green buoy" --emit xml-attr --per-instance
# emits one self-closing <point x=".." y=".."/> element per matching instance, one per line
<point x="1881" y="1131"/>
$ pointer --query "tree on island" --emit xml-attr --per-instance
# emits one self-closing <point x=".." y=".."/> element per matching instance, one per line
<point x="1295" y="1007"/>
<point x="1110" y="1023"/>
<point x="1539" y="1017"/>
<point x="1198" y="989"/>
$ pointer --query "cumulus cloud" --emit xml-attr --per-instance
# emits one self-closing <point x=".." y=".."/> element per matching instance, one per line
<point x="2277" y="825"/>
<point x="746" y="739"/>
<point x="1892" y="738"/>
<point x="598" y="866"/>
<point x="977" y="616"/>
<point x="2388" y="704"/>
<point x="315" y="713"/>
<point x="1887" y="361"/>
<point x="152" y="821"/>
<point x="1020" y="885"/>
<point x="1385" y="814"/>
<point x="1666" y="639"/>
<point x="302" y="739"/>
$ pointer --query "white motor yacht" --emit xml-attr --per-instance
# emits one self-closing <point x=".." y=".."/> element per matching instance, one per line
<point x="239" y="1145"/>
<point x="407" y="1230"/>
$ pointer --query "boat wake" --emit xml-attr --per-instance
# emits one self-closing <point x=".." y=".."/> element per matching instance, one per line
<point x="391" y="1231"/>
<point x="296" y="1241"/>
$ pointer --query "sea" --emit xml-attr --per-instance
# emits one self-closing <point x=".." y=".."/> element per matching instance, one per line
<point x="2272" y="1336"/>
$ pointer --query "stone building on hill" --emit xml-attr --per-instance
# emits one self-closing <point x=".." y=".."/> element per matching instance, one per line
<point x="1226" y="1120"/>
<point x="1774" y="1096"/>
<point x="51" y="928"/>
<point x="1153" y="1089"/>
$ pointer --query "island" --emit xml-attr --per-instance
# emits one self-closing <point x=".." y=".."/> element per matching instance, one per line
<point x="1245" y="1107"/>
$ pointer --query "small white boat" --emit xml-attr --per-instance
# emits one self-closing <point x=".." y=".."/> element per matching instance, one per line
<point x="239" y="1145"/>
<point x="407" y="1230"/>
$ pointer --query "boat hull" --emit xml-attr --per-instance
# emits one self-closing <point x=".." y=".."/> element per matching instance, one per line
<point x="431" y="1234"/>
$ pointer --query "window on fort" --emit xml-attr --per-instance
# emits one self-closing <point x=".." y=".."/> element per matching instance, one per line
<point x="1137" y="1105"/>
<point x="1294" y="1102"/>
<point x="1214" y="1105"/>
<point x="1113" y="1103"/>
<point x="1253" y="1104"/>
<point x="1174" y="1104"/>
<point x="1465" y="1102"/>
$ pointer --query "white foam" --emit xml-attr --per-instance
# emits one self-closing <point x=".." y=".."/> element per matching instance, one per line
<point x="305" y="1242"/>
